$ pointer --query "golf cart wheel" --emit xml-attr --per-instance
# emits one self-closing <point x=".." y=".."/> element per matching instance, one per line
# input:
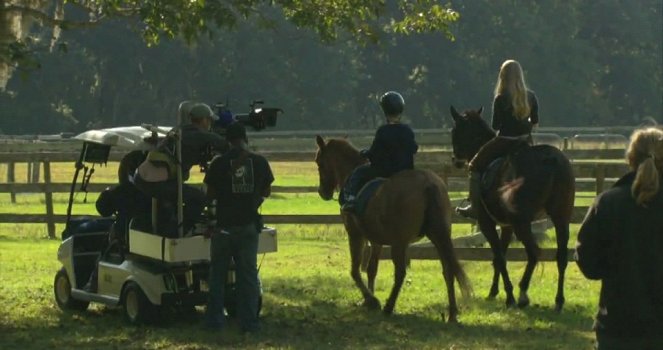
<point x="137" y="308"/>
<point x="62" y="291"/>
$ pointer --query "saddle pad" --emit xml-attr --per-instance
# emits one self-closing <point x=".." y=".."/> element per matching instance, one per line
<point x="491" y="174"/>
<point x="366" y="193"/>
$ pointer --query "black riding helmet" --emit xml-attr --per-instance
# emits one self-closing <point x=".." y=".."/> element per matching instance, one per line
<point x="392" y="103"/>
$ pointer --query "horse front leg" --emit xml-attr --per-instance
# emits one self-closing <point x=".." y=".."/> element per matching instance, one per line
<point x="524" y="232"/>
<point x="356" y="249"/>
<point x="505" y="240"/>
<point x="487" y="227"/>
<point x="398" y="258"/>
<point x="562" y="234"/>
<point x="372" y="268"/>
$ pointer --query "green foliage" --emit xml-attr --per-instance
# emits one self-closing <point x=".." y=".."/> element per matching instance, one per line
<point x="589" y="63"/>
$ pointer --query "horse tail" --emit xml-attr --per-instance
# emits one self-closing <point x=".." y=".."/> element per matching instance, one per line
<point x="437" y="220"/>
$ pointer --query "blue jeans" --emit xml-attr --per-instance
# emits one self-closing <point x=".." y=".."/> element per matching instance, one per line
<point x="359" y="177"/>
<point x="240" y="243"/>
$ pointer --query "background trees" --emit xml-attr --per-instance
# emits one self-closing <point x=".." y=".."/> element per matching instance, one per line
<point x="590" y="63"/>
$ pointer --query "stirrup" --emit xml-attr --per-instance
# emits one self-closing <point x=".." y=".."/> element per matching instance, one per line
<point x="350" y="207"/>
<point x="467" y="212"/>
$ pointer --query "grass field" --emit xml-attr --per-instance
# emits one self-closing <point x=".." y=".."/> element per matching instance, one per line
<point x="309" y="298"/>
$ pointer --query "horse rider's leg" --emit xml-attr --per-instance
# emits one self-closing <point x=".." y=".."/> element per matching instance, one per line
<point x="487" y="226"/>
<point x="524" y="233"/>
<point x="562" y="233"/>
<point x="505" y="240"/>
<point x="398" y="258"/>
<point x="372" y="269"/>
<point x="356" y="249"/>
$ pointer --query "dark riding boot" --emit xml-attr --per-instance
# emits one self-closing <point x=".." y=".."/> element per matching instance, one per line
<point x="350" y="204"/>
<point x="475" y="197"/>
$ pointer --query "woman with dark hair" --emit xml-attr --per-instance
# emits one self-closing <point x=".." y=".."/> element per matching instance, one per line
<point x="620" y="243"/>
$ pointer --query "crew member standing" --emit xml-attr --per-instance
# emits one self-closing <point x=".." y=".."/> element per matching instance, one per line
<point x="238" y="181"/>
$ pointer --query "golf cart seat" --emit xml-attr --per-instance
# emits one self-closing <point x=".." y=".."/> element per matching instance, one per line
<point x="166" y="220"/>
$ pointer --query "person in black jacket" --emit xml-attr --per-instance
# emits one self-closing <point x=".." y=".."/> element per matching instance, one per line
<point x="238" y="181"/>
<point x="392" y="150"/>
<point x="515" y="114"/>
<point x="620" y="243"/>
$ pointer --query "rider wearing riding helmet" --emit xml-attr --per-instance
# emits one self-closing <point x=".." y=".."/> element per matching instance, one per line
<point x="515" y="114"/>
<point x="392" y="150"/>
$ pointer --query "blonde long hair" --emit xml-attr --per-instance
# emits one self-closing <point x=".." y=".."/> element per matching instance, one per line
<point x="511" y="81"/>
<point x="645" y="156"/>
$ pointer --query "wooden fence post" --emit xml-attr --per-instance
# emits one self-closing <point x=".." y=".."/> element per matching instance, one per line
<point x="35" y="173"/>
<point x="28" y="172"/>
<point x="48" y="196"/>
<point x="11" y="178"/>
<point x="445" y="174"/>
<point x="600" y="178"/>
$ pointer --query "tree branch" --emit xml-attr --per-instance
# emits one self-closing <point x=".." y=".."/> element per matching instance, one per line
<point x="50" y="20"/>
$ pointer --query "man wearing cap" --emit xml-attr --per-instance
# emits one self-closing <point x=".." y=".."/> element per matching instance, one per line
<point x="239" y="181"/>
<point x="197" y="140"/>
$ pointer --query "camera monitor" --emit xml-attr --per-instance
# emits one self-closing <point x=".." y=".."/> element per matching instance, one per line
<point x="94" y="153"/>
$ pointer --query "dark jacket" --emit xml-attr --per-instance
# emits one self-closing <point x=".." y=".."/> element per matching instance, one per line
<point x="621" y="244"/>
<point x="239" y="181"/>
<point x="506" y="123"/>
<point x="393" y="149"/>
<point x="195" y="146"/>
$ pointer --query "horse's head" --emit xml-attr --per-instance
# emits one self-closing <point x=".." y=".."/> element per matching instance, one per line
<point x="326" y="173"/>
<point x="468" y="134"/>
<point x="336" y="159"/>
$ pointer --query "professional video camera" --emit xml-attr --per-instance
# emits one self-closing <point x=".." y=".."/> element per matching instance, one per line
<point x="258" y="117"/>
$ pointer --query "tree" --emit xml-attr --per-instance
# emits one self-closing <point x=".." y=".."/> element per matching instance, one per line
<point x="190" y="19"/>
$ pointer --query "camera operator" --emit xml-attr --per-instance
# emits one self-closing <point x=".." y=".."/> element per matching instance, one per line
<point x="238" y="181"/>
<point x="156" y="176"/>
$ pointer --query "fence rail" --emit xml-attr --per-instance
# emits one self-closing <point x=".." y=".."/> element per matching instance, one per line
<point x="598" y="170"/>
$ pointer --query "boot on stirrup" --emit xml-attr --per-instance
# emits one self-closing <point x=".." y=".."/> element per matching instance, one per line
<point x="350" y="204"/>
<point x="469" y="211"/>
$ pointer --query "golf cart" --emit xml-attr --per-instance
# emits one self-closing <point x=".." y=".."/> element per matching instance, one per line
<point x="136" y="267"/>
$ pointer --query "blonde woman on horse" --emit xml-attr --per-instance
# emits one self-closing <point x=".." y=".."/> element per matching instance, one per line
<point x="515" y="114"/>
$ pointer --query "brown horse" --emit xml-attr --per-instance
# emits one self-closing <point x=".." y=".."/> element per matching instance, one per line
<point x="533" y="182"/>
<point x="407" y="204"/>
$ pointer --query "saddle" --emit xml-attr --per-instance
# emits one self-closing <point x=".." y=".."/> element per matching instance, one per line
<point x="494" y="173"/>
<point x="500" y="168"/>
<point x="366" y="193"/>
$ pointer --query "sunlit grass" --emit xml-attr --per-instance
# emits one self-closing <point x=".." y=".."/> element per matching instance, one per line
<point x="309" y="302"/>
<point x="309" y="298"/>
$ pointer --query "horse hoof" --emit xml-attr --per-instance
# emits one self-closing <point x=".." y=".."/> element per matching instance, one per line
<point x="523" y="303"/>
<point x="558" y="308"/>
<point x="491" y="296"/>
<point x="388" y="311"/>
<point x="371" y="303"/>
<point x="510" y="303"/>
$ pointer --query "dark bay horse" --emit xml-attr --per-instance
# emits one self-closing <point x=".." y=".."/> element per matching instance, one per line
<point x="407" y="204"/>
<point x="531" y="183"/>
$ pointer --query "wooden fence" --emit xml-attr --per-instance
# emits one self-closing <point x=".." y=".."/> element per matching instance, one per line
<point x="593" y="169"/>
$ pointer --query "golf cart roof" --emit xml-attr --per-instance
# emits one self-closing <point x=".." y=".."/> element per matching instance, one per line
<point x="132" y="137"/>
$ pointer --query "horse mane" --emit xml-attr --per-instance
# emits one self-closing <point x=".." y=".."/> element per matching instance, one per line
<point x="475" y="115"/>
<point x="344" y="148"/>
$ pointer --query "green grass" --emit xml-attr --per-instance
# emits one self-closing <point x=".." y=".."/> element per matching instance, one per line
<point x="309" y="298"/>
<point x="309" y="302"/>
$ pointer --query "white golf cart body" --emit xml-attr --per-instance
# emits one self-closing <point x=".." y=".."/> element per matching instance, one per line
<point x="168" y="271"/>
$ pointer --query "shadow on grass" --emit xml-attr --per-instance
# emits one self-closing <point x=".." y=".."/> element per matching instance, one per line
<point x="296" y="316"/>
